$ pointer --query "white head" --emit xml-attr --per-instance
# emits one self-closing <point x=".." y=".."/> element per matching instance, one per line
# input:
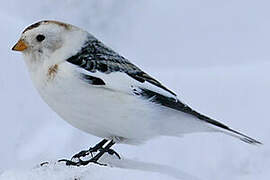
<point x="49" y="42"/>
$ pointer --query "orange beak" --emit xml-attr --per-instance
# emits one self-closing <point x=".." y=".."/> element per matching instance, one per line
<point x="20" y="46"/>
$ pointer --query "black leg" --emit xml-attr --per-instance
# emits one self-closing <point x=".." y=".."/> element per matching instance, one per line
<point x="100" y="154"/>
<point x="91" y="150"/>
<point x="102" y="151"/>
<point x="94" y="159"/>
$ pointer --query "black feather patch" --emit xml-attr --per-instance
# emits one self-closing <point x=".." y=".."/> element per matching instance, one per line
<point x="177" y="105"/>
<point x="32" y="26"/>
<point x="138" y="78"/>
<point x="92" y="80"/>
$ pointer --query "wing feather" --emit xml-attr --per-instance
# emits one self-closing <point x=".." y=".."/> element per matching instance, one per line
<point x="95" y="56"/>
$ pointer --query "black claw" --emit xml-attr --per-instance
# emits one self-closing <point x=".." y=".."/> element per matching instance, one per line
<point x="44" y="163"/>
<point x="69" y="162"/>
<point x="113" y="152"/>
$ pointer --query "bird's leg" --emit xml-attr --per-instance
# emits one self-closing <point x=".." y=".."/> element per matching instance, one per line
<point x="91" y="150"/>
<point x="84" y="153"/>
<point x="94" y="159"/>
<point x="102" y="151"/>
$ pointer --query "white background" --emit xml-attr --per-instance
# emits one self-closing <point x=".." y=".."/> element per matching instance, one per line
<point x="214" y="54"/>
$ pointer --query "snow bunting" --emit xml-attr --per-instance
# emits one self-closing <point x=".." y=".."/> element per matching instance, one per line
<point x="102" y="93"/>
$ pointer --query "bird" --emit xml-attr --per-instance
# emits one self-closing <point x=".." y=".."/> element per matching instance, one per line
<point x="102" y="93"/>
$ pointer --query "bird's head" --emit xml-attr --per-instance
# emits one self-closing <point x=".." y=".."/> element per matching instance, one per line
<point x="49" y="41"/>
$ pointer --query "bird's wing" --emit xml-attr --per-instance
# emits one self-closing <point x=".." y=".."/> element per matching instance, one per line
<point x="102" y="66"/>
<point x="96" y="57"/>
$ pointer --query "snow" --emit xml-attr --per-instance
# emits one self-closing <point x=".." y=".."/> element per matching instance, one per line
<point x="213" y="54"/>
<point x="115" y="169"/>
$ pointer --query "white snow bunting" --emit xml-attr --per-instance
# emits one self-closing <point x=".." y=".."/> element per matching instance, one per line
<point x="102" y="93"/>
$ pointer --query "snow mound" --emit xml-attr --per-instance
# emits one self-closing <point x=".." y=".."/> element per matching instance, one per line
<point x="116" y="169"/>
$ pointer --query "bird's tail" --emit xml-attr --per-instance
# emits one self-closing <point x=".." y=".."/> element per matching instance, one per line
<point x="241" y="136"/>
<point x="225" y="129"/>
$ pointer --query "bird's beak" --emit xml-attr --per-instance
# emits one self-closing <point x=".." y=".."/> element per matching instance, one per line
<point x="20" y="46"/>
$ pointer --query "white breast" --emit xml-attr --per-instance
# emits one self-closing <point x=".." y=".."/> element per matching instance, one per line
<point x="96" y="110"/>
<point x="105" y="112"/>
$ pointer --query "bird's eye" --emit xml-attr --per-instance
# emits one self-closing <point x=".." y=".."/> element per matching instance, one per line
<point x="40" y="37"/>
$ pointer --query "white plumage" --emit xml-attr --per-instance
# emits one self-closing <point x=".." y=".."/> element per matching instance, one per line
<point x="68" y="69"/>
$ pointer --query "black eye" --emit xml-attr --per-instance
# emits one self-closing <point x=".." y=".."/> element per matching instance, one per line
<point x="40" y="37"/>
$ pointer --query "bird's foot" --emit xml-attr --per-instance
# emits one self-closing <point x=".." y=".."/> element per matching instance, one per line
<point x="91" y="150"/>
<point x="81" y="162"/>
<point x="83" y="154"/>
<point x="77" y="161"/>
<point x="98" y="149"/>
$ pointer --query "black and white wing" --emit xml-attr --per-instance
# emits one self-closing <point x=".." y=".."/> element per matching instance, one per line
<point x="97" y="59"/>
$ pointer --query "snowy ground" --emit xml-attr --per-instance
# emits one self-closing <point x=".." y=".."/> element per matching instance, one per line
<point x="218" y="62"/>
<point x="114" y="169"/>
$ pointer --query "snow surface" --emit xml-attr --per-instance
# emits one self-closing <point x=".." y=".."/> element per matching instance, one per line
<point x="114" y="169"/>
<point x="213" y="54"/>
